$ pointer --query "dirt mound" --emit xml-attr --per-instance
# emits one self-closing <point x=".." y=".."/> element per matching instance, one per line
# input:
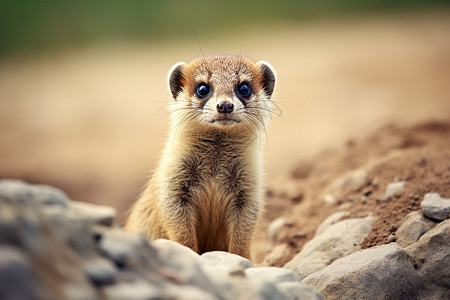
<point x="354" y="179"/>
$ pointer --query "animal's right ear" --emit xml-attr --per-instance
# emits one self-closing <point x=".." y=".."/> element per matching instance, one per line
<point x="176" y="80"/>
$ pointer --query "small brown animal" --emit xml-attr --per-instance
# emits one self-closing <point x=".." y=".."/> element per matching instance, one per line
<point x="207" y="192"/>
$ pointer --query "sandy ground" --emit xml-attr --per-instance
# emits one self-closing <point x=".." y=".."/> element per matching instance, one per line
<point x="93" y="121"/>
<point x="317" y="187"/>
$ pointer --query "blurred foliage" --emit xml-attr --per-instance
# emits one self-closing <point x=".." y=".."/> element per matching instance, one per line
<point x="35" y="25"/>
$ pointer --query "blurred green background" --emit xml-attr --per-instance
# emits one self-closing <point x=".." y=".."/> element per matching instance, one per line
<point x="30" y="26"/>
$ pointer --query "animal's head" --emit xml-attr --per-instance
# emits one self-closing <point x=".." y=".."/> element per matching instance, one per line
<point x="222" y="92"/>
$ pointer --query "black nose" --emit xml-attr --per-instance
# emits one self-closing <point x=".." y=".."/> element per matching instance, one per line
<point x="225" y="107"/>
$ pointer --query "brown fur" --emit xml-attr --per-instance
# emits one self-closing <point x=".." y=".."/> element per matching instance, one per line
<point x="207" y="191"/>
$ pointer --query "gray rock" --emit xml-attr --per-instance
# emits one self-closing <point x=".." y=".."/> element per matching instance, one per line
<point x="271" y="274"/>
<point x="215" y="258"/>
<point x="229" y="286"/>
<point x="133" y="291"/>
<point x="16" y="280"/>
<point x="330" y="221"/>
<point x="338" y="240"/>
<point x="383" y="272"/>
<point x="436" y="207"/>
<point x="166" y="247"/>
<point x="411" y="229"/>
<point x="72" y="229"/>
<point x="432" y="260"/>
<point x="394" y="188"/>
<point x="98" y="214"/>
<point x="125" y="249"/>
<point x="100" y="271"/>
<point x="298" y="291"/>
<point x="184" y="264"/>
<point x="19" y="191"/>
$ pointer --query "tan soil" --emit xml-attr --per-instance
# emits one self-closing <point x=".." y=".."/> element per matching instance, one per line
<point x="419" y="156"/>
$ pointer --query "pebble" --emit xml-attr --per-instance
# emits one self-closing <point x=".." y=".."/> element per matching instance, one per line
<point x="435" y="207"/>
<point x="329" y="199"/>
<point x="391" y="238"/>
<point x="412" y="227"/>
<point x="274" y="228"/>
<point x="349" y="182"/>
<point x="394" y="188"/>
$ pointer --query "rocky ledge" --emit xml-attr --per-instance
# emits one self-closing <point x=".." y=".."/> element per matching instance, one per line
<point x="55" y="248"/>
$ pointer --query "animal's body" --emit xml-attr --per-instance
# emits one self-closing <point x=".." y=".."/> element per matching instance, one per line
<point x="207" y="192"/>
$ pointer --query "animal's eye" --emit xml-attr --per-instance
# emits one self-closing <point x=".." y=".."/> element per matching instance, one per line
<point x="244" y="89"/>
<point x="203" y="90"/>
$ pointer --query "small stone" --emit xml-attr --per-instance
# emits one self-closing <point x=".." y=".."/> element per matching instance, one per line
<point x="271" y="274"/>
<point x="98" y="214"/>
<point x="375" y="182"/>
<point x="435" y="207"/>
<point x="216" y="258"/>
<point x="329" y="199"/>
<point x="19" y="191"/>
<point x="293" y="190"/>
<point x="391" y="238"/>
<point x="394" y="188"/>
<point x="274" y="229"/>
<point x="351" y="199"/>
<point x="412" y="227"/>
<point x="349" y="182"/>
<point x="298" y="291"/>
<point x="363" y="199"/>
<point x="345" y="206"/>
<point x="100" y="271"/>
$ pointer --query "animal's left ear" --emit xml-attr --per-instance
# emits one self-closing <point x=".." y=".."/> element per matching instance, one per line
<point x="268" y="74"/>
